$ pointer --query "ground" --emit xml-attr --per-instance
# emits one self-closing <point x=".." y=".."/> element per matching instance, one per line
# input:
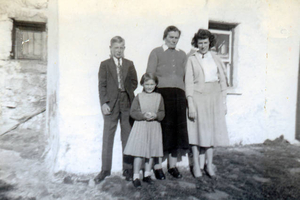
<point x="265" y="171"/>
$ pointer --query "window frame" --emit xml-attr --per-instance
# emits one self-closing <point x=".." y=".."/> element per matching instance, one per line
<point x="39" y="27"/>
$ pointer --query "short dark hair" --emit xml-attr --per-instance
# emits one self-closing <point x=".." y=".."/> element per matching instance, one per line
<point x="149" y="76"/>
<point x="169" y="29"/>
<point x="203" y="34"/>
<point x="116" y="39"/>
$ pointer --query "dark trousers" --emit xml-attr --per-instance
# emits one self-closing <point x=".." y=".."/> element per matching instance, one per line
<point x="121" y="112"/>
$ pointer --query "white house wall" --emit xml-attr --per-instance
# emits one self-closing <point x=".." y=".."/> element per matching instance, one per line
<point x="83" y="32"/>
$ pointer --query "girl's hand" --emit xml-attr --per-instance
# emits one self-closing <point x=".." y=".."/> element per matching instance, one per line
<point x="147" y="116"/>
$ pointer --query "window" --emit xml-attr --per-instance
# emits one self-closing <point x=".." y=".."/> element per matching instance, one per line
<point x="224" y="33"/>
<point x="29" y="41"/>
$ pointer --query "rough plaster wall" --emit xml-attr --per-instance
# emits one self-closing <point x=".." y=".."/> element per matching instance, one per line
<point x="23" y="83"/>
<point x="266" y="63"/>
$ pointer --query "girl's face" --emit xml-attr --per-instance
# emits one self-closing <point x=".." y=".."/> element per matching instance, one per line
<point x="149" y="85"/>
<point x="203" y="45"/>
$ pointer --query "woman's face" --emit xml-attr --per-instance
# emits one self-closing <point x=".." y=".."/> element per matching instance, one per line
<point x="149" y="85"/>
<point x="203" y="45"/>
<point x="172" y="39"/>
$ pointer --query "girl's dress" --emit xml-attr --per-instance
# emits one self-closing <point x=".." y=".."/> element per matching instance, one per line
<point x="209" y="97"/>
<point x="145" y="139"/>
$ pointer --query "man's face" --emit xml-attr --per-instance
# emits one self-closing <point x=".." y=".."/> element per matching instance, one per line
<point x="172" y="39"/>
<point x="117" y="49"/>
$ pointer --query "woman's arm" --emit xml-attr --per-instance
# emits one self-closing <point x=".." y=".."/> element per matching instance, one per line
<point x="152" y="62"/>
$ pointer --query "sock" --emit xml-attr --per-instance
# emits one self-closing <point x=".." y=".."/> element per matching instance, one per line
<point x="136" y="176"/>
<point x="147" y="174"/>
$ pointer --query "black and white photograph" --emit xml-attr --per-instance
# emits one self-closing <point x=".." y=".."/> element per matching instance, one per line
<point x="133" y="99"/>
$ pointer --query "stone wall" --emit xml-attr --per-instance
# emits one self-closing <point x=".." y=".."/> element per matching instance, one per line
<point x="22" y="82"/>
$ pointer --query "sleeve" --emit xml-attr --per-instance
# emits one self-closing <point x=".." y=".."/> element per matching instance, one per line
<point x="189" y="78"/>
<point x="102" y="84"/>
<point x="152" y="62"/>
<point x="161" y="110"/>
<point x="135" y="110"/>
<point x="134" y="81"/>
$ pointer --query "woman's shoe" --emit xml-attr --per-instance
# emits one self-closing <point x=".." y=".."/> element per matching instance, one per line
<point x="159" y="174"/>
<point x="210" y="175"/>
<point x="174" y="172"/>
<point x="148" y="180"/>
<point x="137" y="183"/>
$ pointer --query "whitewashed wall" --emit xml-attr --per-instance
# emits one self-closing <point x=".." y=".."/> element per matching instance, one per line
<point x="266" y="60"/>
<point x="81" y="41"/>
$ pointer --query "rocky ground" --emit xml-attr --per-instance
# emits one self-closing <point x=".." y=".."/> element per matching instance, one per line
<point x="266" y="171"/>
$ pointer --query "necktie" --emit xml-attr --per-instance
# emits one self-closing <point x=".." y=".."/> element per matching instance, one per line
<point x="120" y="76"/>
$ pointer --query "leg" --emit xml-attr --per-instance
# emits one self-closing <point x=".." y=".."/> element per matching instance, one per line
<point x="136" y="176"/>
<point x="172" y="160"/>
<point x="202" y="157"/>
<point x="172" y="164"/>
<point x="196" y="167"/>
<point x="158" y="163"/>
<point x="148" y="166"/>
<point x="110" y="126"/>
<point x="209" y="155"/>
<point x="137" y="162"/>
<point x="125" y="129"/>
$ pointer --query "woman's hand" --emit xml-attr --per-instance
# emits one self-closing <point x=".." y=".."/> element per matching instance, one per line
<point x="191" y="108"/>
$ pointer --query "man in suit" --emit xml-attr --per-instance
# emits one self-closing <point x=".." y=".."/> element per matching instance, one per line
<point x="117" y="82"/>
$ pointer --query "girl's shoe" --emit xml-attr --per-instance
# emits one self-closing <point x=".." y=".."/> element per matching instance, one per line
<point x="148" y="180"/>
<point x="159" y="174"/>
<point x="137" y="183"/>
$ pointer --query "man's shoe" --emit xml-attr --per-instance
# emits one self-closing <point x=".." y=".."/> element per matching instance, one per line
<point x="148" y="180"/>
<point x="101" y="176"/>
<point x="175" y="173"/>
<point x="137" y="183"/>
<point x="159" y="174"/>
<point x="128" y="174"/>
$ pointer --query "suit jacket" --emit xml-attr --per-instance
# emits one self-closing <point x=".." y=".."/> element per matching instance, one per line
<point x="194" y="75"/>
<point x="108" y="81"/>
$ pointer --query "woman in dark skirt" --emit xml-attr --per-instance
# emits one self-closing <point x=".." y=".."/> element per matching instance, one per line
<point x="168" y="63"/>
<point x="205" y="86"/>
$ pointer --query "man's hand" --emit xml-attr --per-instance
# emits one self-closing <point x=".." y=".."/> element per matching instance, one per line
<point x="105" y="109"/>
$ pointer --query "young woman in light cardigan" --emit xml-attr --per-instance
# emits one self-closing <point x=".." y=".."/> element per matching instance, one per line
<point x="205" y="87"/>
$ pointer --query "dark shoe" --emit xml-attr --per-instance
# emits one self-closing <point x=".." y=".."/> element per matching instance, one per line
<point x="175" y="173"/>
<point x="159" y="174"/>
<point x="148" y="180"/>
<point x="191" y="170"/>
<point x="208" y="174"/>
<point x="101" y="176"/>
<point x="137" y="183"/>
<point x="128" y="174"/>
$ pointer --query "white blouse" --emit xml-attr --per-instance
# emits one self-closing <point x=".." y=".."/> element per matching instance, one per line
<point x="209" y="67"/>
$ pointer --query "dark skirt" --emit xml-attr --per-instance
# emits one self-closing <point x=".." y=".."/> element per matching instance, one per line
<point x="174" y="125"/>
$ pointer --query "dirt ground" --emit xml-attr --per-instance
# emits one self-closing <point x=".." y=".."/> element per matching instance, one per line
<point x="266" y="171"/>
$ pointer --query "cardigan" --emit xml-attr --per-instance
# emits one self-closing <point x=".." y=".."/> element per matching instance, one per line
<point x="169" y="67"/>
<point x="195" y="77"/>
